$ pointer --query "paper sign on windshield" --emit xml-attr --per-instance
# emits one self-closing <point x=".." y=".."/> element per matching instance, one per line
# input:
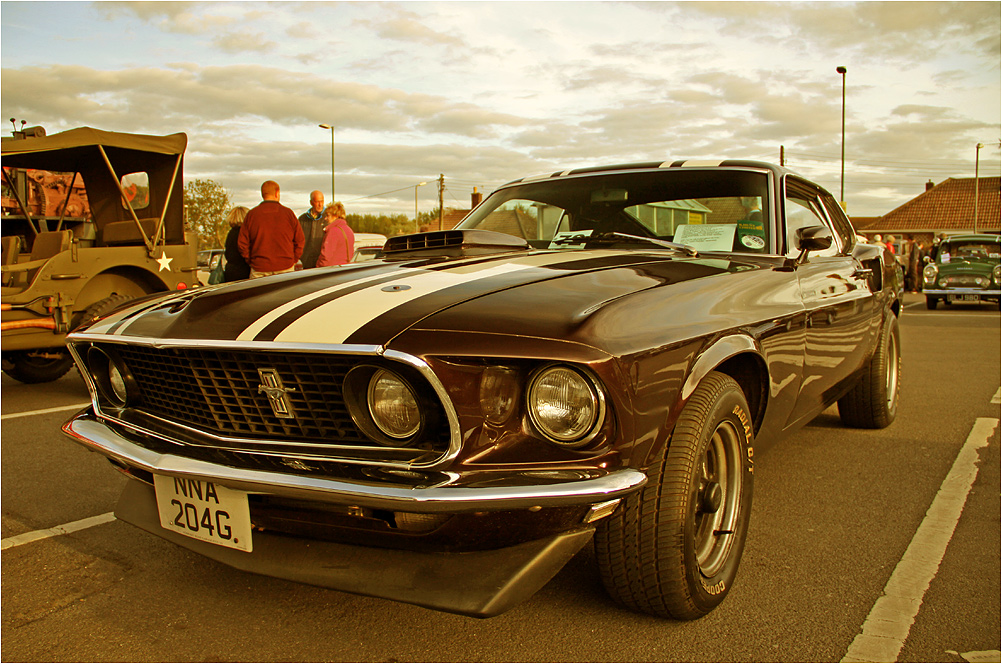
<point x="706" y="237"/>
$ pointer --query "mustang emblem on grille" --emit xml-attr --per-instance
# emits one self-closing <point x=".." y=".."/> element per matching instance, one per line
<point x="271" y="385"/>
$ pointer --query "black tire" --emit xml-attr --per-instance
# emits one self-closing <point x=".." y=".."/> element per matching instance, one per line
<point x="37" y="366"/>
<point x="673" y="548"/>
<point x="101" y="308"/>
<point x="931" y="302"/>
<point x="873" y="402"/>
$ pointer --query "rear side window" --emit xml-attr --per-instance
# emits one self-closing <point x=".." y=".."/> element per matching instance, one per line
<point x="137" y="190"/>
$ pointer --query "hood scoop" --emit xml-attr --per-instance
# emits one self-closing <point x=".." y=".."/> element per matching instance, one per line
<point x="451" y="243"/>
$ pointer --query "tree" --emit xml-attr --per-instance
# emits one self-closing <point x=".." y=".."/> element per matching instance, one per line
<point x="206" y="205"/>
<point x="398" y="224"/>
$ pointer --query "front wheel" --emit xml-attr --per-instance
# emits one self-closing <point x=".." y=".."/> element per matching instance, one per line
<point x="931" y="302"/>
<point x="37" y="366"/>
<point x="673" y="548"/>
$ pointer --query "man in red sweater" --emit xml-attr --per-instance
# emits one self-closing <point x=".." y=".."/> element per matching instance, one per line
<point x="271" y="239"/>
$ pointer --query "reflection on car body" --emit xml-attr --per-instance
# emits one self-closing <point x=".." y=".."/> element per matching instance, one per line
<point x="591" y="354"/>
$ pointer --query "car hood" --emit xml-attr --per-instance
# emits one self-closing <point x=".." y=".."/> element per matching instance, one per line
<point x="369" y="304"/>
<point x="968" y="265"/>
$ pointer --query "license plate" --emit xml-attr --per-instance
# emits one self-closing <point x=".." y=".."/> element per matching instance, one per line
<point x="205" y="511"/>
<point x="964" y="298"/>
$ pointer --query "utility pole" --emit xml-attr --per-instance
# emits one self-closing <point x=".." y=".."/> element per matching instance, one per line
<point x="441" y="199"/>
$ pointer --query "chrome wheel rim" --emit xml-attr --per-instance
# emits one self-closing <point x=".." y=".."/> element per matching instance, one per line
<point x="891" y="380"/>
<point x="718" y="498"/>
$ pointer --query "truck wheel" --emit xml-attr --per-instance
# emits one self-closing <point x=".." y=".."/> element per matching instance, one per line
<point x="873" y="402"/>
<point x="37" y="366"/>
<point x="101" y="308"/>
<point x="672" y="549"/>
<point x="931" y="302"/>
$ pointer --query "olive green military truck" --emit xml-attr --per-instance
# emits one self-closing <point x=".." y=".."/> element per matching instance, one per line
<point x="128" y="241"/>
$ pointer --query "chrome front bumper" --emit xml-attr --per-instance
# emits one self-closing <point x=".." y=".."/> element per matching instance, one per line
<point x="943" y="292"/>
<point x="519" y="490"/>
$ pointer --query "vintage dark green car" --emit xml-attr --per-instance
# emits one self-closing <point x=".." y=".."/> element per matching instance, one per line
<point x="964" y="268"/>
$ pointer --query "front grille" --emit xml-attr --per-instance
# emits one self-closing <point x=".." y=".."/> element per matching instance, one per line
<point x="964" y="280"/>
<point x="219" y="391"/>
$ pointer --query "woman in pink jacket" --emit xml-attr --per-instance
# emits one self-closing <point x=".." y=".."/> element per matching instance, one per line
<point x="338" y="246"/>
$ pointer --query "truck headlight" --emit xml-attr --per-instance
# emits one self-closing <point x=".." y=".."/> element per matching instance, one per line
<point x="997" y="274"/>
<point x="565" y="405"/>
<point x="929" y="273"/>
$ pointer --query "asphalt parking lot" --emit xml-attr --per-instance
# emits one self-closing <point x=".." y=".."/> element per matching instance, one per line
<point x="852" y="553"/>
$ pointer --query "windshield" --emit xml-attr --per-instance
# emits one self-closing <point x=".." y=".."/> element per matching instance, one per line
<point x="983" y="251"/>
<point x="709" y="210"/>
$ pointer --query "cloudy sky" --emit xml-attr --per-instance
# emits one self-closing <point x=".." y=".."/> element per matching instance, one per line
<point x="486" y="92"/>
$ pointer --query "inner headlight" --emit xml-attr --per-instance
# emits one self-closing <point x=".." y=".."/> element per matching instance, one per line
<point x="997" y="273"/>
<point x="393" y="405"/>
<point x="564" y="404"/>
<point x="112" y="377"/>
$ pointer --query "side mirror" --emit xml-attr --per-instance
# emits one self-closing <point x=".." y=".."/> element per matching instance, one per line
<point x="812" y="238"/>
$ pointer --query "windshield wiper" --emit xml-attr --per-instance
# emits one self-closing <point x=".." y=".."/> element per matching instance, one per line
<point x="674" y="246"/>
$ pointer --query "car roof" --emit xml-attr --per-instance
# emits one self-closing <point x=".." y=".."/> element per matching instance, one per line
<point x="973" y="237"/>
<point x="659" y="165"/>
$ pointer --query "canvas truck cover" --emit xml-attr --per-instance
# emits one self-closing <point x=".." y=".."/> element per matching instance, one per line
<point x="80" y="150"/>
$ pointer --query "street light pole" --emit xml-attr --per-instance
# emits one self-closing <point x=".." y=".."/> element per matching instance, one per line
<point x="977" y="181"/>
<point x="415" y="199"/>
<point x="327" y="126"/>
<point x="842" y="70"/>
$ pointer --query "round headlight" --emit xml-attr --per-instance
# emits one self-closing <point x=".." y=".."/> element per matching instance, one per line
<point x="997" y="273"/>
<point x="929" y="273"/>
<point x="393" y="405"/>
<point x="116" y="381"/>
<point x="564" y="404"/>
<point x="111" y="375"/>
<point x="499" y="390"/>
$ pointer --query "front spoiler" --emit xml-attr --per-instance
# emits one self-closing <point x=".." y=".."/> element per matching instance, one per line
<point x="480" y="584"/>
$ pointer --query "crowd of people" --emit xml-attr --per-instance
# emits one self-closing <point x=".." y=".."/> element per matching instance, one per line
<point x="910" y="255"/>
<point x="271" y="239"/>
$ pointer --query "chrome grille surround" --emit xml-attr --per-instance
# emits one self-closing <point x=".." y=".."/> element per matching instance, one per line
<point x="220" y="406"/>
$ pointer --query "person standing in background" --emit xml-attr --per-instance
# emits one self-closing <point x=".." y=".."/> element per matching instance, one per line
<point x="271" y="239"/>
<point x="312" y="223"/>
<point x="236" y="267"/>
<point x="339" y="240"/>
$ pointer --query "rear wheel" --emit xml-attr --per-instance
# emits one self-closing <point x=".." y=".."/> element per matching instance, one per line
<point x="873" y="402"/>
<point x="673" y="548"/>
<point x="37" y="366"/>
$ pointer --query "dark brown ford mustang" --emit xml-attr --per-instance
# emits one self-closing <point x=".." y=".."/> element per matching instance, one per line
<point x="590" y="355"/>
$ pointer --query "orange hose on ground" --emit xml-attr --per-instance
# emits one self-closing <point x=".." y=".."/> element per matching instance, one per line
<point x="46" y="323"/>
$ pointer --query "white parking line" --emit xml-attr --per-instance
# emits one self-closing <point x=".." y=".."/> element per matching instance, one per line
<point x="44" y="411"/>
<point x="886" y="628"/>
<point x="997" y="399"/>
<point x="72" y="527"/>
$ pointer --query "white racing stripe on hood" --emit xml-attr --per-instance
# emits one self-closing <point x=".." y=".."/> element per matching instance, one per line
<point x="257" y="326"/>
<point x="337" y="320"/>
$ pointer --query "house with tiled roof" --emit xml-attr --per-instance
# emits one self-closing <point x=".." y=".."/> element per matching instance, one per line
<point x="947" y="207"/>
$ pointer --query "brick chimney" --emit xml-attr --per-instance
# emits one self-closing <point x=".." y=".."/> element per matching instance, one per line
<point x="929" y="185"/>
<point x="476" y="197"/>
